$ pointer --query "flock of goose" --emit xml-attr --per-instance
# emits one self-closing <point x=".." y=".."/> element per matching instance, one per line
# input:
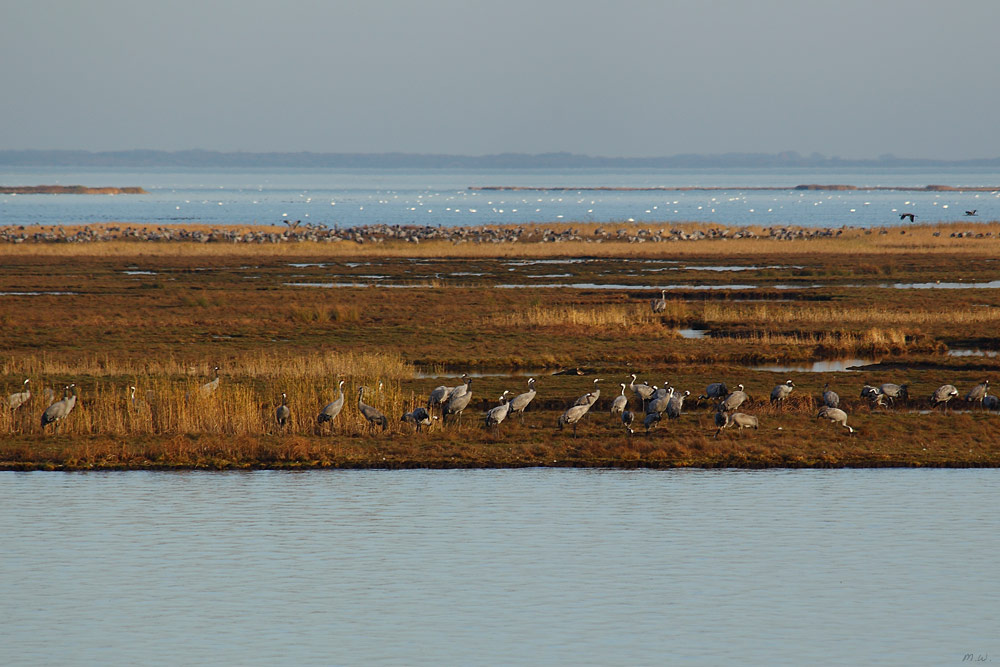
<point x="297" y="231"/>
<point x="448" y="403"/>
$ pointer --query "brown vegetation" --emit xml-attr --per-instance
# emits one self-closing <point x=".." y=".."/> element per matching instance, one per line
<point x="161" y="316"/>
<point x="67" y="190"/>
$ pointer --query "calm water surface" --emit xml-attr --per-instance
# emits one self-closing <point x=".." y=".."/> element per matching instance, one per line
<point x="500" y="567"/>
<point x="347" y="197"/>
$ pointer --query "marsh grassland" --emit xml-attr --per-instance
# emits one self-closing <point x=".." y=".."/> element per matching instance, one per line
<point x="296" y="318"/>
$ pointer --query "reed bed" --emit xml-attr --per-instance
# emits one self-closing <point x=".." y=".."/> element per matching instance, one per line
<point x="629" y="317"/>
<point x="771" y="314"/>
<point x="166" y="407"/>
<point x="168" y="398"/>
<point x="839" y="341"/>
<point x="254" y="364"/>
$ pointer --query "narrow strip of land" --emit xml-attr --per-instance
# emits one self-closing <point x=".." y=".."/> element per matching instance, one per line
<point x="68" y="190"/>
<point x="713" y="188"/>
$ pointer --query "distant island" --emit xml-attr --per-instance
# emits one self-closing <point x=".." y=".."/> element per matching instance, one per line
<point x="698" y="188"/>
<point x="216" y="159"/>
<point x="66" y="190"/>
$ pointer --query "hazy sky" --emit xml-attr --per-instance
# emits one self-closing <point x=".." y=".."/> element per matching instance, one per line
<point x="850" y="78"/>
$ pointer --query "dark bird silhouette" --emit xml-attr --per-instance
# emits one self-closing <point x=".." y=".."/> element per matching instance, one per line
<point x="904" y="216"/>
<point x="282" y="414"/>
<point x="419" y="417"/>
<point x="972" y="212"/>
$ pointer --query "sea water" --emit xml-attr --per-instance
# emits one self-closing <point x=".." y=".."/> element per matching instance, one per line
<point x="345" y="197"/>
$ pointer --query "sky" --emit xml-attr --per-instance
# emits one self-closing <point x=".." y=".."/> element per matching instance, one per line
<point x="621" y="78"/>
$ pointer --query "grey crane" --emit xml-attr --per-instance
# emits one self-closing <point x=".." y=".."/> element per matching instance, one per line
<point x="740" y="419"/>
<point x="978" y="393"/>
<point x="371" y="414"/>
<point x="620" y="403"/>
<point x="659" y="405"/>
<point x="520" y="402"/>
<point x="333" y="408"/>
<point x="733" y="400"/>
<point x="830" y="397"/>
<point x="676" y="404"/>
<point x="494" y="417"/>
<point x="590" y="398"/>
<point x="873" y="394"/>
<point x="50" y="396"/>
<point x="643" y="391"/>
<point x="59" y="410"/>
<point x="282" y="414"/>
<point x="651" y="421"/>
<point x="836" y="415"/>
<point x="715" y="390"/>
<point x="440" y="395"/>
<point x="573" y="415"/>
<point x="460" y="389"/>
<point x="459" y="400"/>
<point x="659" y="305"/>
<point x="19" y="398"/>
<point x="782" y="391"/>
<point x="136" y="404"/>
<point x="991" y="402"/>
<point x="628" y="417"/>
<point x="660" y="392"/>
<point x="419" y="417"/>
<point x="895" y="391"/>
<point x="720" y="421"/>
<point x="210" y="387"/>
<point x="942" y="395"/>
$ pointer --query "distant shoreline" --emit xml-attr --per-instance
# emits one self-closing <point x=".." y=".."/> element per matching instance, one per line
<point x="67" y="190"/>
<point x="696" y="188"/>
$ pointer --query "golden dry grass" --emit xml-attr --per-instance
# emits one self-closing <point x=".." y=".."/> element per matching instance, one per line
<point x="630" y="318"/>
<point x="256" y="364"/>
<point x="785" y="314"/>
<point x="237" y="407"/>
<point x="848" y="340"/>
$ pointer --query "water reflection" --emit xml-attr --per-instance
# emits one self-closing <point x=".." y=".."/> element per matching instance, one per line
<point x="826" y="366"/>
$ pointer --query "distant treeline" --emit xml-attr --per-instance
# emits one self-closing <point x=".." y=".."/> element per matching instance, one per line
<point x="203" y="158"/>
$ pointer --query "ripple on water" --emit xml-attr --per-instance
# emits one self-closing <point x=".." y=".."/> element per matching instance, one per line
<point x="499" y="567"/>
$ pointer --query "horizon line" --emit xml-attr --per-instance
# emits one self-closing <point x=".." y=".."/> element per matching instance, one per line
<point x="213" y="157"/>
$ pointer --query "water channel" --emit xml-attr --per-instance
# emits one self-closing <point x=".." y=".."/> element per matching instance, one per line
<point x="500" y="567"/>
